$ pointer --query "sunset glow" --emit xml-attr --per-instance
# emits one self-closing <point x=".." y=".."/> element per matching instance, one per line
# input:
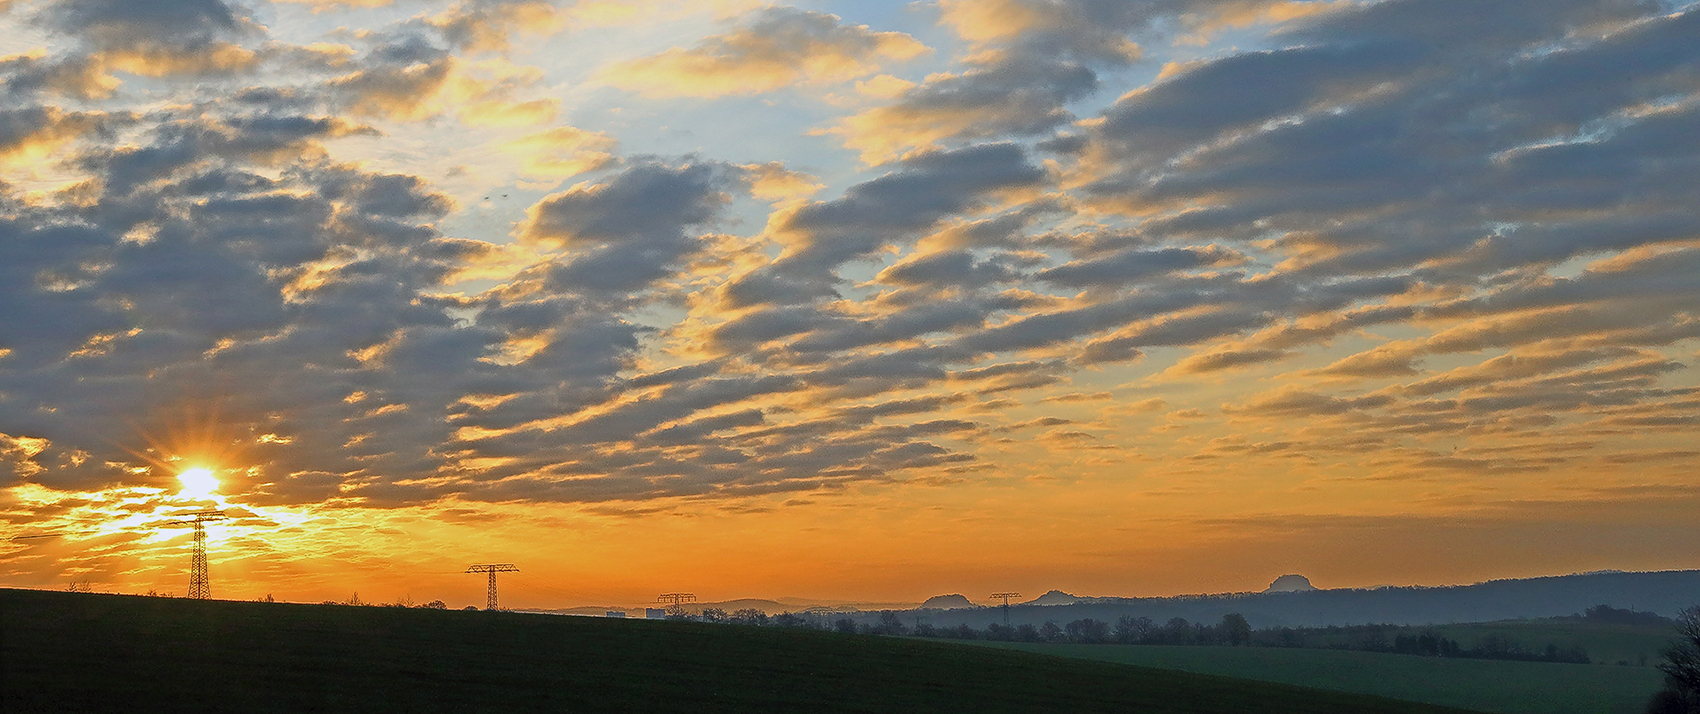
<point x="860" y="301"/>
<point x="198" y="482"/>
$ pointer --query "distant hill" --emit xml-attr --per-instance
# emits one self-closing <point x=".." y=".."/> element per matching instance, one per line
<point x="1662" y="592"/>
<point x="1290" y="584"/>
<point x="945" y="602"/>
<point x="92" y="654"/>
<point x="1054" y="597"/>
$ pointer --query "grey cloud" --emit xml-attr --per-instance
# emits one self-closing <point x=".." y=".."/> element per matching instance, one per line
<point x="1023" y="82"/>
<point x="123" y="24"/>
<point x="630" y="231"/>
<point x="956" y="268"/>
<point x="884" y="211"/>
<point x="1130" y="266"/>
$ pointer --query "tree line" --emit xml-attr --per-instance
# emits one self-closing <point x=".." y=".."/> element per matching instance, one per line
<point x="1231" y="631"/>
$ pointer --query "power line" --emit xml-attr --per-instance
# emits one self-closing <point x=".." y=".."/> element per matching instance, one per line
<point x="200" y="585"/>
<point x="678" y="600"/>
<point x="492" y="569"/>
<point x="1006" y="597"/>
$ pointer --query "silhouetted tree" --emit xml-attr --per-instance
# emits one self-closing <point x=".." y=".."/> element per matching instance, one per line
<point x="1049" y="632"/>
<point x="713" y="614"/>
<point x="844" y="625"/>
<point x="432" y="605"/>
<point x="1234" y="629"/>
<point x="1132" y="630"/>
<point x="1177" y="631"/>
<point x="1614" y="616"/>
<point x="1681" y="694"/>
<point x="748" y="616"/>
<point x="1088" y="631"/>
<point x="890" y="624"/>
<point x="1026" y="632"/>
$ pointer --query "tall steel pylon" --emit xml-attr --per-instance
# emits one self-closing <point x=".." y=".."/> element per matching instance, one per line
<point x="678" y="600"/>
<point x="1006" y="597"/>
<point x="200" y="585"/>
<point x="492" y="569"/>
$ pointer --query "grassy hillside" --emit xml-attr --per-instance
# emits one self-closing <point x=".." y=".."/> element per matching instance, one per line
<point x="1487" y="685"/>
<point x="95" y="653"/>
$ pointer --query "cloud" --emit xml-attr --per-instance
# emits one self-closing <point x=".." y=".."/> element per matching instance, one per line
<point x="890" y="209"/>
<point x="1430" y="238"/>
<point x="36" y="132"/>
<point x="156" y="39"/>
<point x="1133" y="265"/>
<point x="563" y="152"/>
<point x="776" y="47"/>
<point x="1031" y="59"/>
<point x="488" y="25"/>
<point x="627" y="233"/>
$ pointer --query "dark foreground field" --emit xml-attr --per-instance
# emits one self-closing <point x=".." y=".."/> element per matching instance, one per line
<point x="1489" y="685"/>
<point x="62" y="652"/>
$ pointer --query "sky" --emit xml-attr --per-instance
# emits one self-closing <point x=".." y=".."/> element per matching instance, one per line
<point x="864" y="301"/>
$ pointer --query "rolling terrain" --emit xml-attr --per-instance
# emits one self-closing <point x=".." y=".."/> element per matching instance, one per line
<point x="1663" y="592"/>
<point x="1488" y="685"/>
<point x="109" y="653"/>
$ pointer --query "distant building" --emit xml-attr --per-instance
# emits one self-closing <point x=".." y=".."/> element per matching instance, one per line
<point x="616" y="613"/>
<point x="655" y="613"/>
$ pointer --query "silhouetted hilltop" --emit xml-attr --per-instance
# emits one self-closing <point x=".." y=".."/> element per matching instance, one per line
<point x="1055" y="597"/>
<point x="1663" y="593"/>
<point x="946" y="602"/>
<point x="1290" y="584"/>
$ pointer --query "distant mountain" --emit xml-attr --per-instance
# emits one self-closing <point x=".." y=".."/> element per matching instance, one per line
<point x="945" y="602"/>
<point x="1663" y="593"/>
<point x="1290" y="584"/>
<point x="1054" y="597"/>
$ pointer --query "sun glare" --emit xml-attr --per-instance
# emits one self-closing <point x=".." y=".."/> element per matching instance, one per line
<point x="198" y="482"/>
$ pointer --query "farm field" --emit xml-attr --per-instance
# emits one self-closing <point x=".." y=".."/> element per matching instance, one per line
<point x="1605" y="643"/>
<point x="1487" y="685"/>
<point x="67" y="652"/>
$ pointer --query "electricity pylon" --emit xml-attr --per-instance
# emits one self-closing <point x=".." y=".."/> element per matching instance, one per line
<point x="200" y="586"/>
<point x="1006" y="597"/>
<point x="492" y="569"/>
<point x="678" y="600"/>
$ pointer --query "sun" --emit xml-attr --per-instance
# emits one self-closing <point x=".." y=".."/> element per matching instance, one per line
<point x="198" y="482"/>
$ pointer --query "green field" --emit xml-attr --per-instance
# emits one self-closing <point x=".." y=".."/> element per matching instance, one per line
<point x="1487" y="685"/>
<point x="1605" y="643"/>
<point x="64" y="652"/>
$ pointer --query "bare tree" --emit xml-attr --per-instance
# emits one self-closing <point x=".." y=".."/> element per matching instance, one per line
<point x="1681" y="694"/>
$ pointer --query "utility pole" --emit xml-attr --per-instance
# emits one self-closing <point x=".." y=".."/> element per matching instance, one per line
<point x="200" y="585"/>
<point x="1006" y="597"/>
<point x="492" y="569"/>
<point x="678" y="601"/>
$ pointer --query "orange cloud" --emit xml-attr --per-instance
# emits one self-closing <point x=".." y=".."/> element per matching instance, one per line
<point x="780" y="47"/>
<point x="477" y="93"/>
<point x="563" y="152"/>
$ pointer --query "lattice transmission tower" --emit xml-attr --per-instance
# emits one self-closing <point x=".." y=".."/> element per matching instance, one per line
<point x="200" y="585"/>
<point x="1006" y="597"/>
<point x="678" y="601"/>
<point x="492" y="569"/>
